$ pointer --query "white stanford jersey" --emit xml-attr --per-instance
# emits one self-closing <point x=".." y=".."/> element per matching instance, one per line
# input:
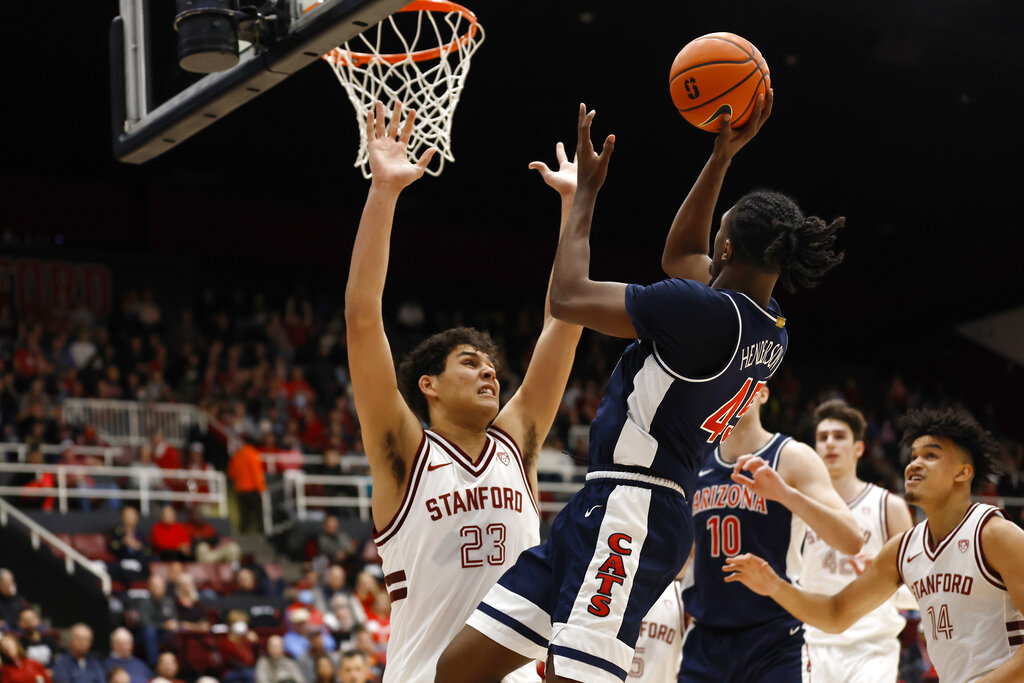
<point x="459" y="527"/>
<point x="828" y="571"/>
<point x="968" y="618"/>
<point x="659" y="649"/>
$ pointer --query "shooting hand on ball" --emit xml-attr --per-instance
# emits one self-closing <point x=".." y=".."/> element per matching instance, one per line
<point x="731" y="140"/>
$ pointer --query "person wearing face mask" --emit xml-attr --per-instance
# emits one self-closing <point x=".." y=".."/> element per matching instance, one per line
<point x="238" y="649"/>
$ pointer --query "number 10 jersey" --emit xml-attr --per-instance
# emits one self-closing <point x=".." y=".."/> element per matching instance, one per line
<point x="460" y="526"/>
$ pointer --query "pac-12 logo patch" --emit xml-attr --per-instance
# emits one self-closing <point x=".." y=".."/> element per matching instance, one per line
<point x="503" y="457"/>
<point x="963" y="544"/>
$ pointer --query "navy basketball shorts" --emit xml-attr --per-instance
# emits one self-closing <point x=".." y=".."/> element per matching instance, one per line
<point x="584" y="593"/>
<point x="773" y="652"/>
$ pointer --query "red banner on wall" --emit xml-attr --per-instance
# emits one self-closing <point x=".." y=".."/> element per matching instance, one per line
<point x="37" y="287"/>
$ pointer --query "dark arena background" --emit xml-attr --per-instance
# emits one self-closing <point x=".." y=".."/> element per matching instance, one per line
<point x="902" y="116"/>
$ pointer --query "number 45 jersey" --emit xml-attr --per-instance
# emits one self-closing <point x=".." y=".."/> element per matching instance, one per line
<point x="460" y="526"/>
<point x="700" y="357"/>
<point x="969" y="620"/>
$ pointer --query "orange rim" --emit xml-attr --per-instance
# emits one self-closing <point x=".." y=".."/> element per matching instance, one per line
<point x="340" y="56"/>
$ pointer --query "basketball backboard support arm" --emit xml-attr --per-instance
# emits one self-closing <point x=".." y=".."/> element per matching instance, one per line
<point x="141" y="135"/>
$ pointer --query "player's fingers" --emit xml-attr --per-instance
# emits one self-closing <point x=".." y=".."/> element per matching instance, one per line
<point x="741" y="479"/>
<point x="540" y="166"/>
<point x="407" y="128"/>
<point x="426" y="157"/>
<point x="768" y="101"/>
<point x="560" y="153"/>
<point x="370" y="125"/>
<point x="396" y="116"/>
<point x="379" y="119"/>
<point x="582" y="114"/>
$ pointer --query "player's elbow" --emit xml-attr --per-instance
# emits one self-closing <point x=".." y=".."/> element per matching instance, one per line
<point x="563" y="298"/>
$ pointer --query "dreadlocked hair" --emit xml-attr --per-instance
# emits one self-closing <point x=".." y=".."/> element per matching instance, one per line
<point x="769" y="230"/>
<point x="428" y="358"/>
<point x="959" y="428"/>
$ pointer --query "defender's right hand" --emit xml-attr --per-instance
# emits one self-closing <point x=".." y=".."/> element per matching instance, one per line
<point x="389" y="162"/>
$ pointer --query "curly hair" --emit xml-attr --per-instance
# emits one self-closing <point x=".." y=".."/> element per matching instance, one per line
<point x="838" y="409"/>
<point x="959" y="428"/>
<point x="769" y="230"/>
<point x="428" y="358"/>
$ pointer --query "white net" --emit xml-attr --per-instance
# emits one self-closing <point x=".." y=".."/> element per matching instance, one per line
<point x="419" y="56"/>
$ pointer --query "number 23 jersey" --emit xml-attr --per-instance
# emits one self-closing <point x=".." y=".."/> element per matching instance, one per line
<point x="460" y="526"/>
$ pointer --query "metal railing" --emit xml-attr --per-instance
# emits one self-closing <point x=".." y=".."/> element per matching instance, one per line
<point x="149" y="485"/>
<point x="108" y="453"/>
<point x="39" y="533"/>
<point x="277" y="463"/>
<point x="132" y="422"/>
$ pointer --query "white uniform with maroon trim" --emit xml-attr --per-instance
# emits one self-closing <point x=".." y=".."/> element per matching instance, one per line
<point x="460" y="526"/>
<point x="869" y="650"/>
<point x="659" y="649"/>
<point x="969" y="620"/>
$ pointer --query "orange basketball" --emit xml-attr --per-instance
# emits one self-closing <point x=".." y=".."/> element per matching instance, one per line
<point x="716" y="74"/>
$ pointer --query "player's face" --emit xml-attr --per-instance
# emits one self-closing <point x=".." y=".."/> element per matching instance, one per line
<point x="717" y="260"/>
<point x="469" y="382"/>
<point x="833" y="439"/>
<point x="937" y="465"/>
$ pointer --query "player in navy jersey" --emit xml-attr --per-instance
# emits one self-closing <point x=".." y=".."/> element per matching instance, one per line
<point x="964" y="563"/>
<point x="737" y="636"/>
<point x="702" y="353"/>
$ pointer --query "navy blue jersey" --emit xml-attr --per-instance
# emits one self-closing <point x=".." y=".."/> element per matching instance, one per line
<point x="701" y="355"/>
<point x="728" y="519"/>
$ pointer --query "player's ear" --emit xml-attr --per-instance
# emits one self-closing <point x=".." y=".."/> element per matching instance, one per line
<point x="428" y="385"/>
<point x="727" y="250"/>
<point x="964" y="474"/>
<point x="858" y="448"/>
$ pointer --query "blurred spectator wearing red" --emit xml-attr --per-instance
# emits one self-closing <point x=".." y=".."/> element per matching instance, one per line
<point x="169" y="538"/>
<point x="17" y="667"/>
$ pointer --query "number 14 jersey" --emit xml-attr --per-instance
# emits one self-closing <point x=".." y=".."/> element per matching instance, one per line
<point x="460" y="526"/>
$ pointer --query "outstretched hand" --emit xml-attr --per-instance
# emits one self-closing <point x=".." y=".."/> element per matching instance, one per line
<point x="764" y="480"/>
<point x="591" y="166"/>
<point x="752" y="571"/>
<point x="564" y="179"/>
<point x="387" y="148"/>
<point x="731" y="140"/>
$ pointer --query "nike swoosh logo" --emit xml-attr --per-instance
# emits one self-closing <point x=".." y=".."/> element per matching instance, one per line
<point x="911" y="559"/>
<point x="592" y="509"/>
<point x="431" y="468"/>
<point x="723" y="109"/>
<point x="704" y="473"/>
<point x="794" y="630"/>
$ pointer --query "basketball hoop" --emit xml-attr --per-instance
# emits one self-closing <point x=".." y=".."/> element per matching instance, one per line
<point x="420" y="56"/>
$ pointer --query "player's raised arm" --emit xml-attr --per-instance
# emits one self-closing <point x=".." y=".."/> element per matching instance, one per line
<point x="529" y="414"/>
<point x="391" y="432"/>
<point x="574" y="296"/>
<point x="1002" y="543"/>
<point x="802" y="484"/>
<point x="686" y="247"/>
<point x="830" y="613"/>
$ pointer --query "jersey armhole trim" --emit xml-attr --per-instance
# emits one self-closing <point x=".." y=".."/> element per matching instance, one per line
<point x="505" y="438"/>
<point x="901" y="553"/>
<point x="990" y="574"/>
<point x="883" y="514"/>
<point x="418" y="464"/>
<point x="739" y="337"/>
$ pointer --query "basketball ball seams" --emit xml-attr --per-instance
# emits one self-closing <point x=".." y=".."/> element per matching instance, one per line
<point x="745" y="50"/>
<point x="697" y="66"/>
<point x="723" y="93"/>
<point x="753" y="98"/>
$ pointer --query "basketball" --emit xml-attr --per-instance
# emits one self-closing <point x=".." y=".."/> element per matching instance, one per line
<point x="716" y="74"/>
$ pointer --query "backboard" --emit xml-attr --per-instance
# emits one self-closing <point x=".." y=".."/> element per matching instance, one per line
<point x="156" y="105"/>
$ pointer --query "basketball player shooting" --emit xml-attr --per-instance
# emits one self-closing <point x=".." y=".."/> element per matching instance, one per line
<point x="964" y="564"/>
<point x="453" y="504"/>
<point x="702" y="353"/>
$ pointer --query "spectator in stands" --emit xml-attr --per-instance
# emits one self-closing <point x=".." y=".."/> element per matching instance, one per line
<point x="165" y="455"/>
<point x="238" y="650"/>
<point x="121" y="646"/>
<point x="38" y="646"/>
<point x="375" y="655"/>
<point x="333" y="543"/>
<point x="131" y="553"/>
<point x="296" y="639"/>
<point x="334" y="585"/>
<point x="17" y="667"/>
<point x="367" y="590"/>
<point x="310" y="659"/>
<point x="145" y="472"/>
<point x="378" y="620"/>
<point x="208" y="545"/>
<point x="77" y="665"/>
<point x="325" y="670"/>
<point x="191" y="613"/>
<point x="32" y="480"/>
<point x="158" y="618"/>
<point x="341" y="621"/>
<point x="196" y="463"/>
<point x="167" y="667"/>
<point x="354" y="667"/>
<point x="169" y="538"/>
<point x="118" y="675"/>
<point x="246" y="472"/>
<point x="274" y="667"/>
<point x="11" y="602"/>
